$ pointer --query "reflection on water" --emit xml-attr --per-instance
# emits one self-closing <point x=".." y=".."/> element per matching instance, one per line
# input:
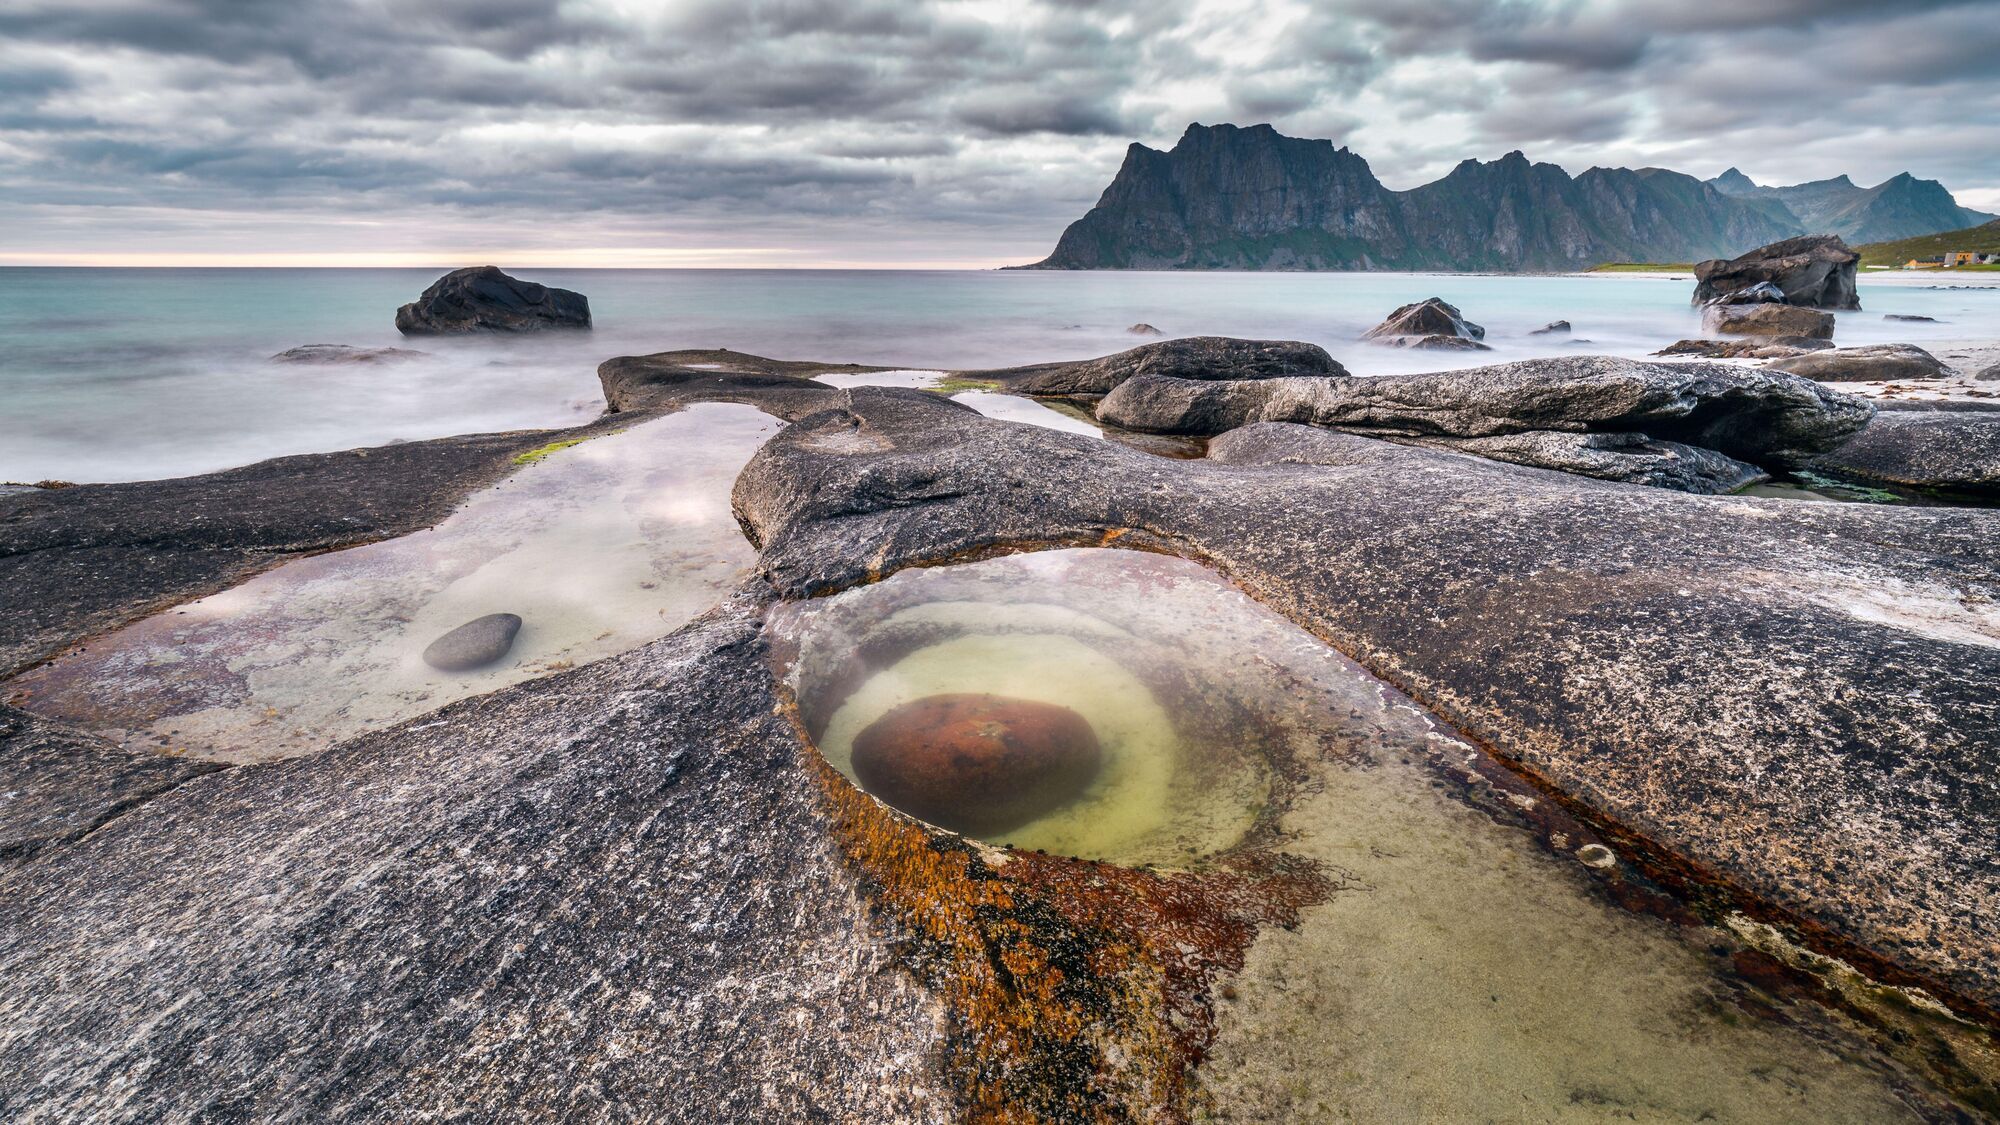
<point x="599" y="547"/>
<point x="1469" y="968"/>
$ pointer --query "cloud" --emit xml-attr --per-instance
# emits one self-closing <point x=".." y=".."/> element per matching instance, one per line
<point x="845" y="129"/>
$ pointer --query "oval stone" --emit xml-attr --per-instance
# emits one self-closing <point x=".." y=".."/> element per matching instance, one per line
<point x="475" y="644"/>
<point x="975" y="763"/>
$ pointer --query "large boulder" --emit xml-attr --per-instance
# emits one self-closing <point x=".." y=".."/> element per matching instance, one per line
<point x="1816" y="271"/>
<point x="482" y="299"/>
<point x="1190" y="357"/>
<point x="1933" y="449"/>
<point x="1428" y="323"/>
<point x="1871" y="363"/>
<point x="1763" y="417"/>
<point x="1767" y="320"/>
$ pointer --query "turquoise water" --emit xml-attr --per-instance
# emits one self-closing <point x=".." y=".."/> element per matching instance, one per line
<point x="125" y="374"/>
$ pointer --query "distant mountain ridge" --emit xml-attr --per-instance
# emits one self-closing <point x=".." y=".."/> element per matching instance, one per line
<point x="1226" y="197"/>
<point x="1899" y="207"/>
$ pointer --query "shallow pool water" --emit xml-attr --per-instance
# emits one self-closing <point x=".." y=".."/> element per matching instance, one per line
<point x="1007" y="408"/>
<point x="598" y="547"/>
<point x="1469" y="965"/>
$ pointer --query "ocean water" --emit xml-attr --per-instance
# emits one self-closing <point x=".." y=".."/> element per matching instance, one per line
<point x="132" y="374"/>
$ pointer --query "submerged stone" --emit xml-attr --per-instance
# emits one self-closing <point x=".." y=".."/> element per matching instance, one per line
<point x="977" y="763"/>
<point x="475" y="644"/>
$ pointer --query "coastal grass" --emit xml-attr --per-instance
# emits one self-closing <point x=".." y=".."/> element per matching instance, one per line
<point x="1983" y="239"/>
<point x="956" y="386"/>
<point x="541" y="453"/>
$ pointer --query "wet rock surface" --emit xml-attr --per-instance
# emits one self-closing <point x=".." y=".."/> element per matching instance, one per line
<point x="82" y="560"/>
<point x="1767" y="320"/>
<point x="1552" y="328"/>
<point x="1631" y="458"/>
<point x="977" y="763"/>
<point x="1949" y="450"/>
<point x="483" y="299"/>
<point x="1870" y="363"/>
<point x="475" y="644"/>
<point x="667" y="380"/>
<point x="1592" y="633"/>
<point x="1430" y="323"/>
<point x="326" y="354"/>
<point x="631" y="879"/>
<point x="57" y="784"/>
<point x="1757" y="347"/>
<point x="1190" y="357"/>
<point x="1759" y="417"/>
<point x="1815" y="271"/>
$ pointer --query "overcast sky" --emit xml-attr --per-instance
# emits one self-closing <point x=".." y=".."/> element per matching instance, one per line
<point x="873" y="132"/>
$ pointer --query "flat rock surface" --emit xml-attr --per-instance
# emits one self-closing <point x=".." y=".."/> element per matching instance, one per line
<point x="57" y="784"/>
<point x="666" y="380"/>
<point x="1869" y="363"/>
<point x="1794" y="696"/>
<point x="1755" y="416"/>
<point x="611" y="894"/>
<point x="1953" y="450"/>
<point x="1189" y="357"/>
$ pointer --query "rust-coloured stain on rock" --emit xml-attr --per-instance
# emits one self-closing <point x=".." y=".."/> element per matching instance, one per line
<point x="1077" y="990"/>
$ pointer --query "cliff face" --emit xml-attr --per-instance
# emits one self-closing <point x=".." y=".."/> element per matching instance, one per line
<point x="1233" y="198"/>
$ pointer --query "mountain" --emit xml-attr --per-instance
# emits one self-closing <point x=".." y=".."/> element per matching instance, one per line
<point x="1226" y="197"/>
<point x="1900" y="207"/>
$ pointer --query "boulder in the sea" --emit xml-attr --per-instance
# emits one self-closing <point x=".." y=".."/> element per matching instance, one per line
<point x="1816" y="271"/>
<point x="1429" y="323"/>
<point x="1438" y="343"/>
<point x="1552" y="328"/>
<point x="1144" y="329"/>
<point x="977" y="763"/>
<point x="475" y="644"/>
<point x="1189" y="357"/>
<point x="1912" y="318"/>
<point x="1988" y="374"/>
<point x="1767" y="320"/>
<point x="1628" y="457"/>
<point x="483" y="299"/>
<point x="1942" y="449"/>
<point x="1869" y="363"/>
<point x="344" y="353"/>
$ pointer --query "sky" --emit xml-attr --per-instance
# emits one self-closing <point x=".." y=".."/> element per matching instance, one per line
<point x="946" y="133"/>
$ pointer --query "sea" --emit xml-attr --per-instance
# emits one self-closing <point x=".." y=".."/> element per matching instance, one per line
<point x="139" y="374"/>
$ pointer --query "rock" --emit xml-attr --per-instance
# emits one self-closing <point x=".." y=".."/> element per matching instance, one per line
<point x="1656" y="657"/>
<point x="1910" y="317"/>
<point x="1762" y="293"/>
<point x="475" y="644"/>
<point x="481" y="298"/>
<point x="1552" y="328"/>
<point x="977" y="764"/>
<point x="58" y="784"/>
<point x="1755" y="347"/>
<point x="1190" y="357"/>
<point x="670" y="380"/>
<point x="1433" y="343"/>
<point x="1143" y="329"/>
<point x="1767" y="320"/>
<point x="1815" y="271"/>
<point x="1950" y="450"/>
<point x="1762" y="417"/>
<point x="1988" y="374"/>
<point x="1627" y="457"/>
<point x="344" y="353"/>
<point x="1869" y="363"/>
<point x="1426" y="324"/>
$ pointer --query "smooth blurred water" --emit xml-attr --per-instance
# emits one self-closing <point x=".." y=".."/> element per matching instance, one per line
<point x="123" y="374"/>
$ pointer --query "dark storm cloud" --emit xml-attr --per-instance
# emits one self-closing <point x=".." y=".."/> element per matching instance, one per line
<point x="720" y="115"/>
